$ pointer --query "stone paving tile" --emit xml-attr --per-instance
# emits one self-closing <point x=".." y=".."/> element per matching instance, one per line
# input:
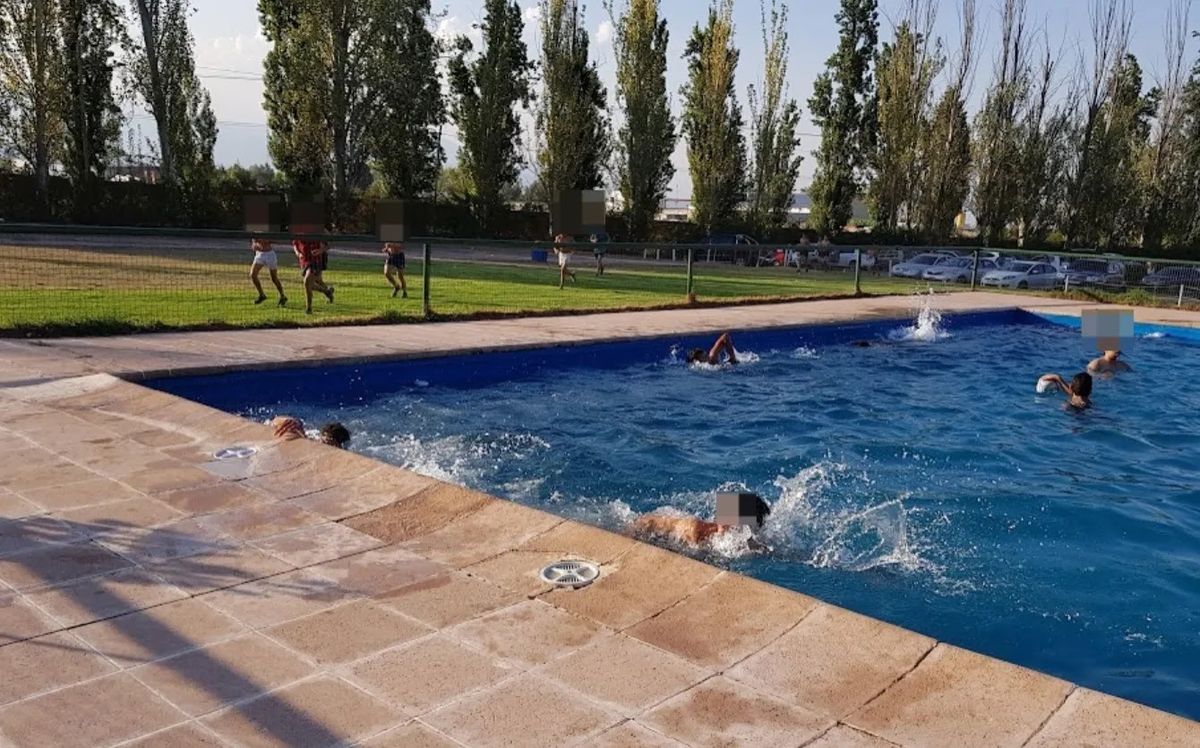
<point x="174" y="540"/>
<point x="50" y="565"/>
<point x="603" y="671"/>
<point x="13" y="506"/>
<point x="261" y="520"/>
<point x="99" y="712"/>
<point x="204" y="680"/>
<point x="212" y="498"/>
<point x="955" y="698"/>
<point x="448" y="599"/>
<point x="632" y="735"/>
<point x="187" y="735"/>
<point x="97" y="598"/>
<point x="1088" y="718"/>
<point x="226" y="566"/>
<point x="725" y="621"/>
<point x="318" y="543"/>
<point x="834" y="661"/>
<point x="529" y="633"/>
<point x="324" y="711"/>
<point x="97" y="490"/>
<point x="720" y="712"/>
<point x="493" y="529"/>
<point x="516" y="571"/>
<point x="366" y="493"/>
<point x="379" y="571"/>
<point x="35" y="472"/>
<point x="159" y="632"/>
<point x="526" y="710"/>
<point x="106" y="519"/>
<point x="31" y="533"/>
<point x="412" y="735"/>
<point x="20" y="620"/>
<point x="633" y="590"/>
<point x="347" y="632"/>
<point x="329" y="468"/>
<point x="427" y="673"/>
<point x="577" y="540"/>
<point x="842" y="736"/>
<point x="424" y="512"/>
<point x="272" y="601"/>
<point x="166" y="475"/>
<point x="41" y="664"/>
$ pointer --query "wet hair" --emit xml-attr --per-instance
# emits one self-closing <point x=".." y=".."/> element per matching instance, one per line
<point x="1081" y="384"/>
<point x="761" y="510"/>
<point x="861" y="344"/>
<point x="695" y="355"/>
<point x="335" y="435"/>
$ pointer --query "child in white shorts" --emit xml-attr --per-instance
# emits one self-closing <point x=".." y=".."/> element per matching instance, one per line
<point x="265" y="257"/>
<point x="564" y="259"/>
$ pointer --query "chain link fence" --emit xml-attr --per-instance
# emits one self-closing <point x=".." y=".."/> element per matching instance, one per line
<point x="81" y="280"/>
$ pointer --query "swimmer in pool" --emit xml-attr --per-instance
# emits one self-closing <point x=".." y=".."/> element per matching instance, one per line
<point x="288" y="429"/>
<point x="1078" y="392"/>
<point x="694" y="531"/>
<point x="724" y="345"/>
<point x="1110" y="363"/>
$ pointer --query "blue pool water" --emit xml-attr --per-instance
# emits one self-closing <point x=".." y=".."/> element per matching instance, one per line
<point x="920" y="480"/>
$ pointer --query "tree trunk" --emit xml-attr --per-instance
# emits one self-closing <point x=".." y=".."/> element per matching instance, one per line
<point x="158" y="98"/>
<point x="339" y="109"/>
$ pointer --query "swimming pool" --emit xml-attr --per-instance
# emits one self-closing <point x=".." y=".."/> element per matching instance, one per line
<point x="920" y="480"/>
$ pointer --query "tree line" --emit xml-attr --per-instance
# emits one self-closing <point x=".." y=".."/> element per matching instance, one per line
<point x="1070" y="144"/>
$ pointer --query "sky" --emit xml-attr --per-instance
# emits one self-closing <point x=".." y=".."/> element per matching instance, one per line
<point x="230" y="50"/>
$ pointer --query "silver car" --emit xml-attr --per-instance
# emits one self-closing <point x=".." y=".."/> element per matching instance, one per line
<point x="915" y="267"/>
<point x="957" y="270"/>
<point x="1022" y="274"/>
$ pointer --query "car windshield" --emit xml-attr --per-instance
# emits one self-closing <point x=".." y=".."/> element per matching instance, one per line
<point x="1020" y="267"/>
<point x="924" y="260"/>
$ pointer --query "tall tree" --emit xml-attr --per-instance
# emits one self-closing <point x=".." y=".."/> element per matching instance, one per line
<point x="486" y="90"/>
<point x="712" y="120"/>
<point x="1185" y="223"/>
<point x="996" y="126"/>
<point x="1042" y="155"/>
<point x="30" y="49"/>
<point x="91" y="31"/>
<point x="163" y="73"/>
<point x="572" y="120"/>
<point x="405" y="141"/>
<point x="843" y="106"/>
<point x="906" y="70"/>
<point x="646" y="139"/>
<point x="774" y="125"/>
<point x="1163" y="167"/>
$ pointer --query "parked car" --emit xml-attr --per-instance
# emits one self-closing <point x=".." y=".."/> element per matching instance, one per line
<point x="847" y="258"/>
<point x="916" y="266"/>
<point x="1096" y="272"/>
<point x="740" y="249"/>
<point x="1023" y="274"/>
<point x="958" y="270"/>
<point x="1175" y="275"/>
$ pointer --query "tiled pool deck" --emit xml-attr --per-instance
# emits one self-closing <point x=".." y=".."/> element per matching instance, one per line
<point x="309" y="596"/>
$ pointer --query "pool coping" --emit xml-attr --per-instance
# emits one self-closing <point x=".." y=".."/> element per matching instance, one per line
<point x="802" y="667"/>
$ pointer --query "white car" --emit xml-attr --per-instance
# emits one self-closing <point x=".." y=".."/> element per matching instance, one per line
<point x="1023" y="274"/>
<point x="957" y="270"/>
<point x="916" y="266"/>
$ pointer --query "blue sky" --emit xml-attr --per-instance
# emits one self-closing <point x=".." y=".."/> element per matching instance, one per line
<point x="228" y="44"/>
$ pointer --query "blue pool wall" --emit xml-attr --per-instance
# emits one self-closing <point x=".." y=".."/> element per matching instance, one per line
<point x="345" y="384"/>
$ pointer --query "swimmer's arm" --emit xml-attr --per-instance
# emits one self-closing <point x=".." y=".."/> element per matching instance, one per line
<point x="1058" y="382"/>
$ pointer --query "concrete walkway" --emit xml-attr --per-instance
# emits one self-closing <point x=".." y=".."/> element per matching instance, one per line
<point x="152" y="595"/>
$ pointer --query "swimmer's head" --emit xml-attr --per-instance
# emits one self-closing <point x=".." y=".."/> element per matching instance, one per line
<point x="761" y="510"/>
<point x="1111" y="355"/>
<point x="738" y="509"/>
<point x="696" y="355"/>
<point x="861" y="344"/>
<point x="1081" y="385"/>
<point x="335" y="435"/>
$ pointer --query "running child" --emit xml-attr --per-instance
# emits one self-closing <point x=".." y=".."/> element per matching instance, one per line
<point x="564" y="259"/>
<point x="265" y="257"/>
<point x="393" y="266"/>
<point x="313" y="259"/>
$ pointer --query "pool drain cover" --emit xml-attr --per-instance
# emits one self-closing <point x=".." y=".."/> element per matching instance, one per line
<point x="570" y="573"/>
<point x="235" y="453"/>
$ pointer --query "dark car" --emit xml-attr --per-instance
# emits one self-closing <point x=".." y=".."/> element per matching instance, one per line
<point x="739" y="249"/>
<point x="1176" y="275"/>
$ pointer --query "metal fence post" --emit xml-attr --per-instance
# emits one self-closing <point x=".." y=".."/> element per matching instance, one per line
<point x="691" y="287"/>
<point x="426" y="309"/>
<point x="1180" y="302"/>
<point x="858" y="272"/>
<point x="975" y="270"/>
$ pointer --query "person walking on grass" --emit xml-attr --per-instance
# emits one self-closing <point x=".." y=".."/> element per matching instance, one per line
<point x="564" y="260"/>
<point x="265" y="257"/>
<point x="313" y="260"/>
<point x="393" y="267"/>
<point x="598" y="250"/>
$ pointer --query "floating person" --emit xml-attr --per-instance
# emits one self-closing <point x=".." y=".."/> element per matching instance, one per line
<point x="1110" y="363"/>
<point x="724" y="345"/>
<point x="733" y="510"/>
<point x="393" y="265"/>
<point x="289" y="429"/>
<point x="313" y="258"/>
<point x="265" y="257"/>
<point x="564" y="260"/>
<point x="1078" y="391"/>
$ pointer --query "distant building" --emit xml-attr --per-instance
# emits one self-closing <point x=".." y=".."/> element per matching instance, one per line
<point x="134" y="173"/>
<point x="680" y="209"/>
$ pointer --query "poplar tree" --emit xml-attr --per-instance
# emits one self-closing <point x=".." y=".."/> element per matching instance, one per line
<point x="775" y="124"/>
<point x="486" y="89"/>
<point x="1043" y="157"/>
<point x="843" y="107"/>
<point x="571" y="121"/>
<point x="712" y="120"/>
<point x="646" y="138"/>
<point x="1163" y="167"/>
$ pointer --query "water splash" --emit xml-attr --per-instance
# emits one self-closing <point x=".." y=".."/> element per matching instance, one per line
<point x="1154" y="335"/>
<point x="463" y="460"/>
<point x="927" y="327"/>
<point x="804" y="352"/>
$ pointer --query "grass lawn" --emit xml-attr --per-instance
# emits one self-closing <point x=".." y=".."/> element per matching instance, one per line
<point x="63" y="291"/>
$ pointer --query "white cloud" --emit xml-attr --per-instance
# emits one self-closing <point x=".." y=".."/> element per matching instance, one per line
<point x="604" y="33"/>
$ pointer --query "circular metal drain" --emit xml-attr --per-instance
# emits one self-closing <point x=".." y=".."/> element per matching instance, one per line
<point x="235" y="453"/>
<point x="570" y="573"/>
